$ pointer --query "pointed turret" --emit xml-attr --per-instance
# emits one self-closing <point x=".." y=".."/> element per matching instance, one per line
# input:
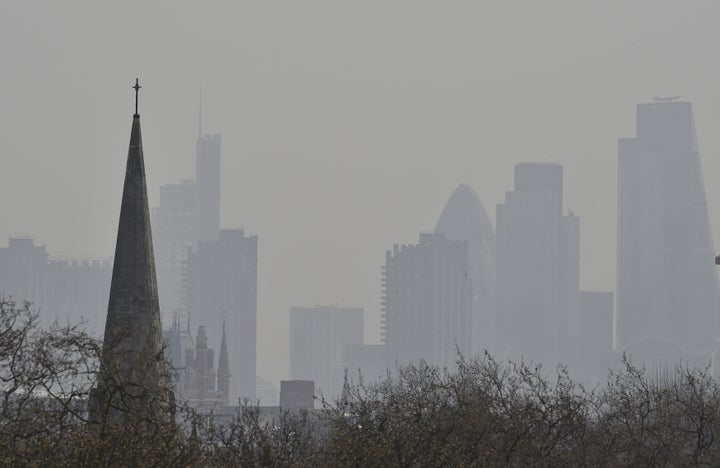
<point x="133" y="379"/>
<point x="223" y="374"/>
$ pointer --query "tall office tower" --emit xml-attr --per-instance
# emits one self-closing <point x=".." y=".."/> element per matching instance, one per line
<point x="173" y="234"/>
<point x="667" y="288"/>
<point x="132" y="345"/>
<point x="207" y="173"/>
<point x="427" y="301"/>
<point x="23" y="268"/>
<point x="222" y="285"/>
<point x="537" y="267"/>
<point x="77" y="291"/>
<point x="464" y="219"/>
<point x="318" y="336"/>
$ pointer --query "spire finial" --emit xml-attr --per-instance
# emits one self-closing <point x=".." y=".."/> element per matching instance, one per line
<point x="137" y="89"/>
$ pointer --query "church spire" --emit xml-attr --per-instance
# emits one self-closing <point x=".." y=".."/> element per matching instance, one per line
<point x="223" y="374"/>
<point x="132" y="356"/>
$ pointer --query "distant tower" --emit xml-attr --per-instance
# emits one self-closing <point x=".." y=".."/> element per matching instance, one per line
<point x="132" y="354"/>
<point x="667" y="290"/>
<point x="222" y="285"/>
<point x="464" y="219"/>
<point x="427" y="301"/>
<point x="223" y="373"/>
<point x="537" y="267"/>
<point x="207" y="173"/>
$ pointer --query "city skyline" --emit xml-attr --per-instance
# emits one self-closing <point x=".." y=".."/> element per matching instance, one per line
<point x="341" y="136"/>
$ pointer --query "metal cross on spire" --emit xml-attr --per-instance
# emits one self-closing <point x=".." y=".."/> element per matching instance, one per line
<point x="137" y="89"/>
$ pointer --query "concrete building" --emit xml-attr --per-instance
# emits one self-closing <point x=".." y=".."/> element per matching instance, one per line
<point x="537" y="267"/>
<point x="596" y="330"/>
<point x="368" y="361"/>
<point x="667" y="290"/>
<point x="427" y="301"/>
<point x="23" y="271"/>
<point x="464" y="219"/>
<point x="174" y="225"/>
<point x="77" y="292"/>
<point x="222" y="286"/>
<point x="318" y="336"/>
<point x="297" y="394"/>
<point x="207" y="173"/>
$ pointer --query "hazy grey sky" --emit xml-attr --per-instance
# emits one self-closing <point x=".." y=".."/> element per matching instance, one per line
<point x="346" y="125"/>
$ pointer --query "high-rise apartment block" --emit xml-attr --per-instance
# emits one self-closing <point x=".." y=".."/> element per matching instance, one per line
<point x="427" y="301"/>
<point x="318" y="338"/>
<point x="667" y="283"/>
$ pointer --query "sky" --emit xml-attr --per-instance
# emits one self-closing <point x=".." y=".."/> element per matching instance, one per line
<point x="346" y="125"/>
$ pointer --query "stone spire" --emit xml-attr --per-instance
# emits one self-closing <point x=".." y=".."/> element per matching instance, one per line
<point x="133" y="379"/>
<point x="223" y="374"/>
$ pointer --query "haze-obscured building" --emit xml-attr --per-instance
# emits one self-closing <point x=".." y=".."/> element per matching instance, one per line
<point x="667" y="283"/>
<point x="222" y="287"/>
<point x="464" y="219"/>
<point x="368" y="361"/>
<point x="174" y="225"/>
<point x="537" y="267"/>
<point x="207" y="173"/>
<point x="427" y="301"/>
<point x="23" y="268"/>
<point x="318" y="337"/>
<point x="297" y="394"/>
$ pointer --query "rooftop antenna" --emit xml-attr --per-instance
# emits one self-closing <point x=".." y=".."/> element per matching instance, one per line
<point x="137" y="89"/>
<point x="666" y="99"/>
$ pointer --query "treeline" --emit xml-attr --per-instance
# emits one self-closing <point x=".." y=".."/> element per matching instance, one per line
<point x="484" y="412"/>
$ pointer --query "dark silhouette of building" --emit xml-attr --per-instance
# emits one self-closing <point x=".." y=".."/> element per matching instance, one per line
<point x="667" y="290"/>
<point x="174" y="225"/>
<point x="297" y="394"/>
<point x="464" y="219"/>
<point x="222" y="286"/>
<point x="427" y="301"/>
<point x="223" y="373"/>
<point x="133" y="379"/>
<point x="318" y="336"/>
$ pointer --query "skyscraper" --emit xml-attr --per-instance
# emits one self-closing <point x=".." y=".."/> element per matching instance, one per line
<point x="174" y="229"/>
<point x="133" y="333"/>
<point x="318" y="337"/>
<point x="427" y="301"/>
<point x="667" y="290"/>
<point x="537" y="258"/>
<point x="464" y="219"/>
<point x="207" y="173"/>
<point x="222" y="285"/>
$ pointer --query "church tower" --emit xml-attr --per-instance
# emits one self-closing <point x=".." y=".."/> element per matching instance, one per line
<point x="223" y="374"/>
<point x="133" y="380"/>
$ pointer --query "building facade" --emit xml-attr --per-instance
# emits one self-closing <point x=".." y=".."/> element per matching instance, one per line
<point x="174" y="225"/>
<point x="464" y="219"/>
<point x="667" y="290"/>
<point x="222" y="287"/>
<point x="427" y="301"/>
<point x="318" y="337"/>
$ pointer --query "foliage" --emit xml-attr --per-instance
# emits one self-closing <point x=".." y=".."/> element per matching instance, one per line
<point x="482" y="412"/>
